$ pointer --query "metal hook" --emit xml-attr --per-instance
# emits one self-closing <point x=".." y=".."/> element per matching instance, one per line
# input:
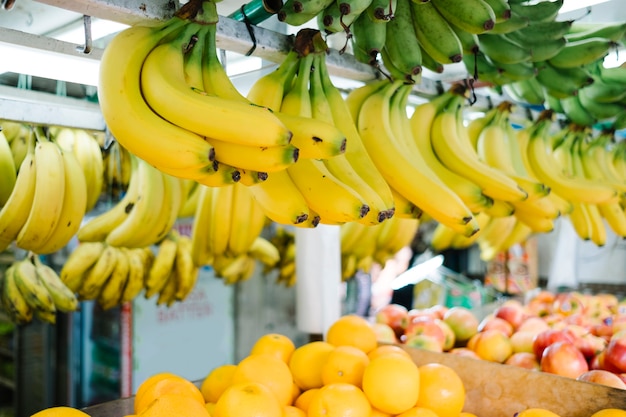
<point x="8" y="4"/>
<point x="86" y="48"/>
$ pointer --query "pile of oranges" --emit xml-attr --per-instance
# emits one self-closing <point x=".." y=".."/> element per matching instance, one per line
<point x="347" y="375"/>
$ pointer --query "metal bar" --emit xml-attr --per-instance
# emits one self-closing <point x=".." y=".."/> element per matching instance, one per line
<point x="46" y="44"/>
<point x="48" y="109"/>
<point x="232" y="35"/>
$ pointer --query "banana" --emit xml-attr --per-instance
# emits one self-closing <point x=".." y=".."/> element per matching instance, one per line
<point x="15" y="212"/>
<point x="250" y="178"/>
<point x="401" y="41"/>
<point x="539" y="151"/>
<point x="541" y="31"/>
<point x="82" y="258"/>
<point x="10" y="129"/>
<point x="602" y="91"/>
<point x="420" y="128"/>
<point x="8" y="171"/>
<point x="501" y="10"/>
<point x="356" y="152"/>
<point x="162" y="267"/>
<point x="129" y="118"/>
<point x="89" y="156"/>
<point x="289" y="16"/>
<point x="31" y="287"/>
<point x="381" y="10"/>
<point x="47" y="203"/>
<point x="333" y="20"/>
<point x="269" y="89"/>
<point x="544" y="51"/>
<point x="142" y="219"/>
<point x="454" y="149"/>
<point x="111" y="293"/>
<point x="140" y="261"/>
<point x="340" y="166"/>
<point x="463" y="242"/>
<point x="186" y="271"/>
<point x="519" y="234"/>
<point x="469" y="41"/>
<point x="563" y="80"/>
<point x="581" y="52"/>
<point x="404" y="208"/>
<point x="473" y="16"/>
<point x="500" y="208"/>
<point x="368" y="38"/>
<point x="543" y="11"/>
<point x="611" y="31"/>
<point x="264" y="251"/>
<point x="247" y="220"/>
<point x="188" y="207"/>
<point x="12" y="300"/>
<point x="220" y="220"/>
<point x="73" y="208"/>
<point x="309" y="6"/>
<point x="434" y="34"/>
<point x="397" y="164"/>
<point x="167" y="295"/>
<point x="96" y="277"/>
<point x="614" y="75"/>
<point x="280" y="199"/>
<point x="599" y="110"/>
<point x="63" y="297"/>
<point x="442" y="237"/>
<point x="503" y="49"/>
<point x="575" y="112"/>
<point x="517" y="72"/>
<point x="494" y="235"/>
<point x="513" y="24"/>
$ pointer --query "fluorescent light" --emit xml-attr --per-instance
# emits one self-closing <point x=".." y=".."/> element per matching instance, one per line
<point x="571" y="5"/>
<point x="418" y="272"/>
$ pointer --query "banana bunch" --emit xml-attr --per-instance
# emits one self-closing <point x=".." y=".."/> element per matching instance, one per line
<point x="19" y="141"/>
<point x="335" y="180"/>
<point x="48" y="201"/>
<point x="134" y="221"/>
<point x="30" y="288"/>
<point x="566" y="162"/>
<point x="285" y="242"/>
<point x="167" y="99"/>
<point x="363" y="245"/>
<point x="226" y="232"/>
<point x="86" y="148"/>
<point x="8" y="169"/>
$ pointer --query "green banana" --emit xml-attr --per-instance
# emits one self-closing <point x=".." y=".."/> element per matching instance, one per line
<point x="526" y="91"/>
<point x="513" y="24"/>
<point x="474" y="16"/>
<point x="381" y="10"/>
<point x="537" y="32"/>
<point x="575" y="112"/>
<point x="434" y="33"/>
<point x="469" y="41"/>
<point x="311" y="7"/>
<point x="582" y="52"/>
<point x="287" y="15"/>
<point x="479" y="65"/>
<point x="503" y="49"/>
<point x="603" y="92"/>
<point x="429" y="62"/>
<point x="368" y="36"/>
<point x="542" y="11"/>
<point x="615" y="75"/>
<point x="599" y="110"/>
<point x="501" y="9"/>
<point x="611" y="31"/>
<point x="401" y="41"/>
<point x="331" y="20"/>
<point x="556" y="80"/>
<point x="544" y="51"/>
<point x="351" y="9"/>
<point x="553" y="103"/>
<point x="517" y="72"/>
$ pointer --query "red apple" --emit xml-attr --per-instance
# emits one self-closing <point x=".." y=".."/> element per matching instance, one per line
<point x="492" y="345"/>
<point x="547" y="337"/>
<point x="511" y="312"/>
<point x="538" y="308"/>
<point x="462" y="321"/>
<point x="525" y="360"/>
<point x="496" y="323"/>
<point x="447" y="331"/>
<point x="563" y="358"/>
<point x="421" y="312"/>
<point x="600" y="376"/>
<point x="603" y="330"/>
<point x="438" y="310"/>
<point x="533" y="324"/>
<point x="568" y="304"/>
<point x="424" y="341"/>
<point x="384" y="333"/>
<point x="427" y="326"/>
<point x="590" y="345"/>
<point x="463" y="351"/>
<point x="618" y="322"/>
<point x="522" y="341"/>
<point x="615" y="355"/>
<point x="393" y="315"/>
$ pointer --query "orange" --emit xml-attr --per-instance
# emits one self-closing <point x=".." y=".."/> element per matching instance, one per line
<point x="339" y="400"/>
<point x="295" y="392"/>
<point x="170" y="385"/>
<point x="210" y="407"/>
<point x="60" y="411"/>
<point x="377" y="413"/>
<point x="169" y="405"/>
<point x="467" y="414"/>
<point x="441" y="390"/>
<point x="610" y="412"/>
<point x="537" y="412"/>
<point x="291" y="411"/>
<point x="247" y="399"/>
<point x="345" y="364"/>
<point x="269" y="371"/>
<point x="217" y="381"/>
<point x="391" y="383"/>
<point x="275" y="344"/>
<point x="152" y="380"/>
<point x="304" y="399"/>
<point x="352" y="330"/>
<point x="418" y="412"/>
<point x="385" y="349"/>
<point x="306" y="364"/>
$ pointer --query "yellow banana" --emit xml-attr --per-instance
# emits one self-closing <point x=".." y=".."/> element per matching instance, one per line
<point x="31" y="287"/>
<point x="64" y="299"/>
<point x="247" y="220"/>
<point x="264" y="251"/>
<point x="200" y="252"/>
<point x="140" y="261"/>
<point x="186" y="271"/>
<point x="257" y="158"/>
<point x="8" y="170"/>
<point x="281" y="199"/>
<point x="13" y="303"/>
<point x="111" y="292"/>
<point x="82" y="258"/>
<point x="162" y="267"/>
<point x="98" y="274"/>
<point x="48" y="199"/>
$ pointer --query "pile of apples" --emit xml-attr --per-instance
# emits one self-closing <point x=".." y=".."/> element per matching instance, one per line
<point x="581" y="336"/>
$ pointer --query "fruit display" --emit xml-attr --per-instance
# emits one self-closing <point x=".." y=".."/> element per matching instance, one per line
<point x="346" y="374"/>
<point x="570" y="334"/>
